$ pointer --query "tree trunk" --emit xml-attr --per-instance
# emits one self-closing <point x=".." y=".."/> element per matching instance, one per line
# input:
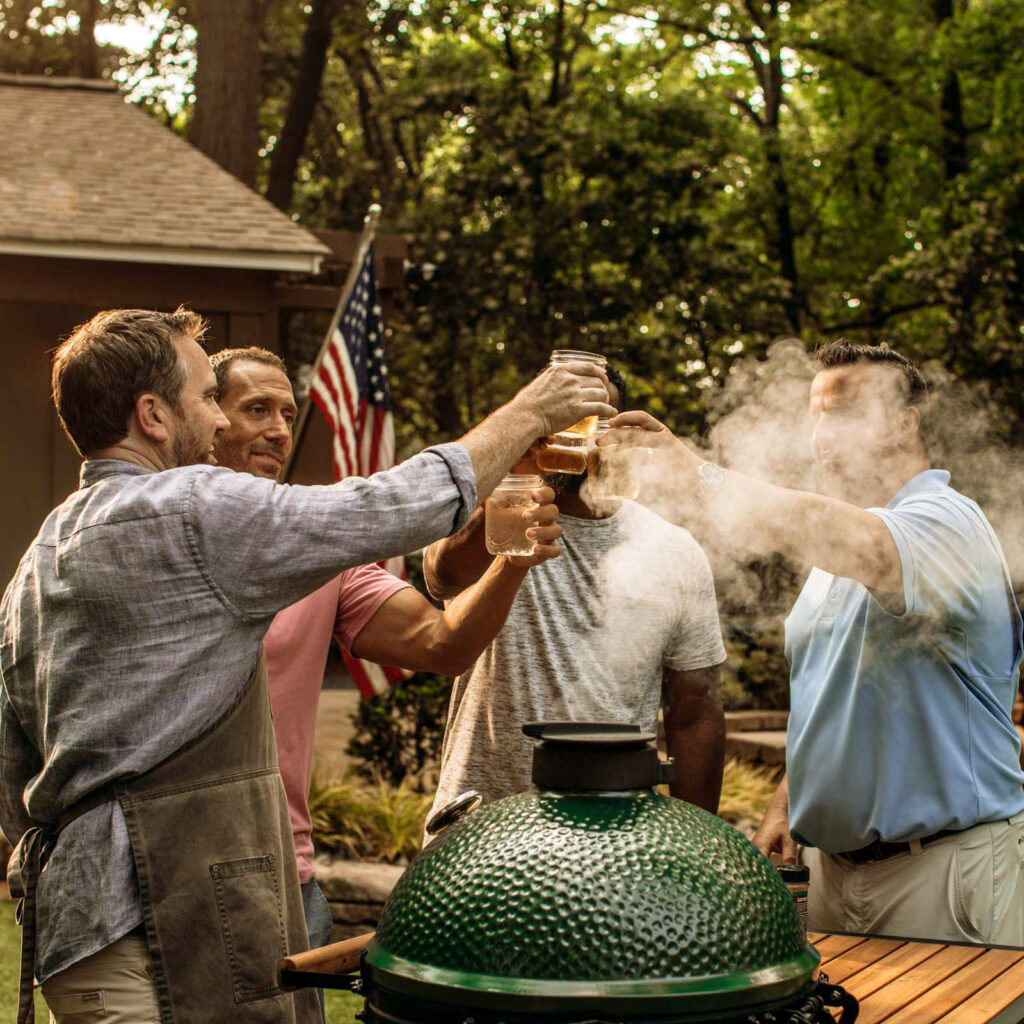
<point x="954" y="131"/>
<point x="960" y="340"/>
<point x="225" y="124"/>
<point x="88" y="54"/>
<point x="292" y="141"/>
<point x="772" y="79"/>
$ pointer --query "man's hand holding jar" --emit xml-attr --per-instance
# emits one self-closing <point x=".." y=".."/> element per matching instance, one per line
<point x="522" y="520"/>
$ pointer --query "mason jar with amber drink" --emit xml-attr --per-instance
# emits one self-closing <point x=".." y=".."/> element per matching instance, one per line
<point x="566" y="451"/>
<point x="504" y="526"/>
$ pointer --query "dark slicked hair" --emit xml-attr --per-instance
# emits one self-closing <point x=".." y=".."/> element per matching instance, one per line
<point x="842" y="353"/>
<point x="106" y="363"/>
<point x="223" y="360"/>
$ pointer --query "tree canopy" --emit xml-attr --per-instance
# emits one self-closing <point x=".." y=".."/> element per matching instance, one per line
<point x="674" y="183"/>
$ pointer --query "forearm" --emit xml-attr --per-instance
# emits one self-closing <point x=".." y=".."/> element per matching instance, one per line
<point x="499" y="442"/>
<point x="19" y="764"/>
<point x="780" y="799"/>
<point x="454" y="563"/>
<point x="833" y="535"/>
<point x="472" y="620"/>
<point x="697" y="742"/>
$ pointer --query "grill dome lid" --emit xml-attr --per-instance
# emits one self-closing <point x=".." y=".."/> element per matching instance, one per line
<point x="626" y="900"/>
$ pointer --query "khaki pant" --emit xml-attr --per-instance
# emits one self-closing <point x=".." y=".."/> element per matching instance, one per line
<point x="114" y="986"/>
<point x="964" y="888"/>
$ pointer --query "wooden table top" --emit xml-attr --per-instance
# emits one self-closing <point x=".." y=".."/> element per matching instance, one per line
<point x="907" y="982"/>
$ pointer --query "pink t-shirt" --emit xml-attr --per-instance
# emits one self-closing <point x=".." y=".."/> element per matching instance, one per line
<point x="296" y="647"/>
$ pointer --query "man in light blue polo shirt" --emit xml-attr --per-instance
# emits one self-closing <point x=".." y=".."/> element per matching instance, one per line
<point x="904" y="784"/>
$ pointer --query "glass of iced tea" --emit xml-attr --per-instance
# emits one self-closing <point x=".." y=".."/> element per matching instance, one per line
<point x="566" y="451"/>
<point x="504" y="526"/>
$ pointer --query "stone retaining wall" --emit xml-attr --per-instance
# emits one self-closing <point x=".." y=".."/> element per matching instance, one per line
<point x="356" y="891"/>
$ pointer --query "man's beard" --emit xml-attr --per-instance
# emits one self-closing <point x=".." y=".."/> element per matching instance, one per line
<point x="189" y="448"/>
<point x="565" y="485"/>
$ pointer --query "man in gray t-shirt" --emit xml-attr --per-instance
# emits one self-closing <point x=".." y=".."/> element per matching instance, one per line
<point x="625" y="621"/>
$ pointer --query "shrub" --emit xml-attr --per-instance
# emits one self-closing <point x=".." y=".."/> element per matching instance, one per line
<point x="398" y="734"/>
<point x="369" y="819"/>
<point x="756" y="673"/>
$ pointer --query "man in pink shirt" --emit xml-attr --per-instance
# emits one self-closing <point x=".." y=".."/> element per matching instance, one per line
<point x="371" y="613"/>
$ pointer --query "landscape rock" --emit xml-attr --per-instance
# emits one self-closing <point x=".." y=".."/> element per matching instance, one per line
<point x="356" y="881"/>
<point x="356" y="892"/>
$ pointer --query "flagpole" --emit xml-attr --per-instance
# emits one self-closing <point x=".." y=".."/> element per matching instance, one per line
<point x="365" y="241"/>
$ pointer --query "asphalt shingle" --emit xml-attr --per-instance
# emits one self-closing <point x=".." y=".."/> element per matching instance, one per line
<point x="80" y="165"/>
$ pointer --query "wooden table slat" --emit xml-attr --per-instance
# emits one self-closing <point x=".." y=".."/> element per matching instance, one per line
<point x="886" y="970"/>
<point x="856" y="959"/>
<point x="833" y="946"/>
<point x="993" y="997"/>
<point x="885" y="1002"/>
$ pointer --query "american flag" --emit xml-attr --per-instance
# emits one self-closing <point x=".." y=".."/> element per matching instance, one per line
<point x="350" y="387"/>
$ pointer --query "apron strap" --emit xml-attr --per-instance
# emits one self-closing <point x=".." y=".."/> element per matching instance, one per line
<point x="27" y="863"/>
<point x="23" y="871"/>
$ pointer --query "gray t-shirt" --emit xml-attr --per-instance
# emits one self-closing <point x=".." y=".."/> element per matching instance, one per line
<point x="588" y="638"/>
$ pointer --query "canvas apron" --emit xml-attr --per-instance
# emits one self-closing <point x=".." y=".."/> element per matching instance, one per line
<point x="218" y="884"/>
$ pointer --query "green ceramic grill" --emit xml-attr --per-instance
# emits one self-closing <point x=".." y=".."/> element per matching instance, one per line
<point x="590" y="898"/>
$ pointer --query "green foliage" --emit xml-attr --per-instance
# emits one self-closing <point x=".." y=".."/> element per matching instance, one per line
<point x="675" y="183"/>
<point x="747" y="790"/>
<point x="756" y="673"/>
<point x="369" y="819"/>
<point x="398" y="734"/>
<point x="10" y="967"/>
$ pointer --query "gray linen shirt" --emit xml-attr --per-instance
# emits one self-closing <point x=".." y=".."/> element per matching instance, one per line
<point x="132" y="624"/>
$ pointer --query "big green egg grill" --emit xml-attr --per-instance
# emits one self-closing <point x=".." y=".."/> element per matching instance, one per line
<point x="591" y="898"/>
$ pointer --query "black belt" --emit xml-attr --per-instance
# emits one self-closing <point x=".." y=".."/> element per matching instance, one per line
<point x="881" y="850"/>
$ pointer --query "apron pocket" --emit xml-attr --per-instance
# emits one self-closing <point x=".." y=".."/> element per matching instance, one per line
<point x="249" y="904"/>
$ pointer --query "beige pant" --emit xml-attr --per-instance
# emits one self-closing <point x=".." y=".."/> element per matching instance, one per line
<point x="114" y="986"/>
<point x="964" y="888"/>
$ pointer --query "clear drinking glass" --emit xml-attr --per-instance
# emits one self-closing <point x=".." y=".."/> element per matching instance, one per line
<point x="566" y="451"/>
<point x="504" y="526"/>
<point x="615" y="472"/>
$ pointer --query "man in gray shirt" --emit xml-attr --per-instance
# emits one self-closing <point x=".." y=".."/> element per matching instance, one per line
<point x="625" y="621"/>
<point x="130" y="644"/>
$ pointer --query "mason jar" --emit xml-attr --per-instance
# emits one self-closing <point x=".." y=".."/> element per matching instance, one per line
<point x="566" y="451"/>
<point x="615" y="472"/>
<point x="504" y="526"/>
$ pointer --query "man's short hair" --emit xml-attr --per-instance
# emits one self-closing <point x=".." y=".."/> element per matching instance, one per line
<point x="106" y="363"/>
<point x="842" y="353"/>
<point x="223" y="360"/>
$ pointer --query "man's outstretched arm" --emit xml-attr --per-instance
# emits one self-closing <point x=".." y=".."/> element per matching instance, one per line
<point x="456" y="562"/>
<point x="264" y="546"/>
<point x="833" y="535"/>
<point x="409" y="632"/>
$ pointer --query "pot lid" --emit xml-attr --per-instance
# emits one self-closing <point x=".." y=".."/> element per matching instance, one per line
<point x="633" y="901"/>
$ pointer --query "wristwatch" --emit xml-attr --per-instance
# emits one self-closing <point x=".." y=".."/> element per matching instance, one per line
<point x="711" y="476"/>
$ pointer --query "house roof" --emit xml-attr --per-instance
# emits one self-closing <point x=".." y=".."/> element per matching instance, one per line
<point x="83" y="174"/>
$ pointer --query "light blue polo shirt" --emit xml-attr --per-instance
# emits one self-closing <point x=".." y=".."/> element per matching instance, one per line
<point x="900" y="724"/>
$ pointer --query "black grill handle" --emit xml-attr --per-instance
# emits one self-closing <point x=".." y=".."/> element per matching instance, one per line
<point x="834" y="995"/>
